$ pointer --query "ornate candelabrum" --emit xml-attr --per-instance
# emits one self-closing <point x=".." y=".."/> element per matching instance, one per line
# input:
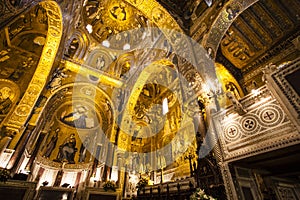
<point x="190" y="155"/>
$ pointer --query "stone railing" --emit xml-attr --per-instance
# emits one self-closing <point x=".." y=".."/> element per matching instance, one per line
<point x="264" y="127"/>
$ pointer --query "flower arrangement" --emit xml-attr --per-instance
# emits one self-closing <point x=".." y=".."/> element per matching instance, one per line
<point x="4" y="175"/>
<point x="199" y="194"/>
<point x="109" y="185"/>
<point x="142" y="183"/>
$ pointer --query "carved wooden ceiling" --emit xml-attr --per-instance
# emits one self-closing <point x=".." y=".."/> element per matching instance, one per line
<point x="259" y="29"/>
<point x="182" y="10"/>
<point x="178" y="6"/>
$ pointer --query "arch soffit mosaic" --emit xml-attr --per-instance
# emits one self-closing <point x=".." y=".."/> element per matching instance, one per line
<point x="21" y="112"/>
<point x="222" y="23"/>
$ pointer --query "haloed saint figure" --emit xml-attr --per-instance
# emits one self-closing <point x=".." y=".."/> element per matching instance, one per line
<point x="67" y="150"/>
<point x="5" y="101"/>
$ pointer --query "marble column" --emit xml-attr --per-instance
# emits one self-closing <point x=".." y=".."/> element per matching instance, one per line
<point x="121" y="169"/>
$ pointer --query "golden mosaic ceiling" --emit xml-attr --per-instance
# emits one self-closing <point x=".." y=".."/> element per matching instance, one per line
<point x="258" y="29"/>
<point x="107" y="18"/>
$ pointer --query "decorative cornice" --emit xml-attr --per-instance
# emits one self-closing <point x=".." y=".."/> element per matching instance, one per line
<point x="49" y="164"/>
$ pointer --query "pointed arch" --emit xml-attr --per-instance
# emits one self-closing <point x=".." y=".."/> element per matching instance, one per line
<point x="100" y="59"/>
<point x="72" y="95"/>
<point x="83" y="43"/>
